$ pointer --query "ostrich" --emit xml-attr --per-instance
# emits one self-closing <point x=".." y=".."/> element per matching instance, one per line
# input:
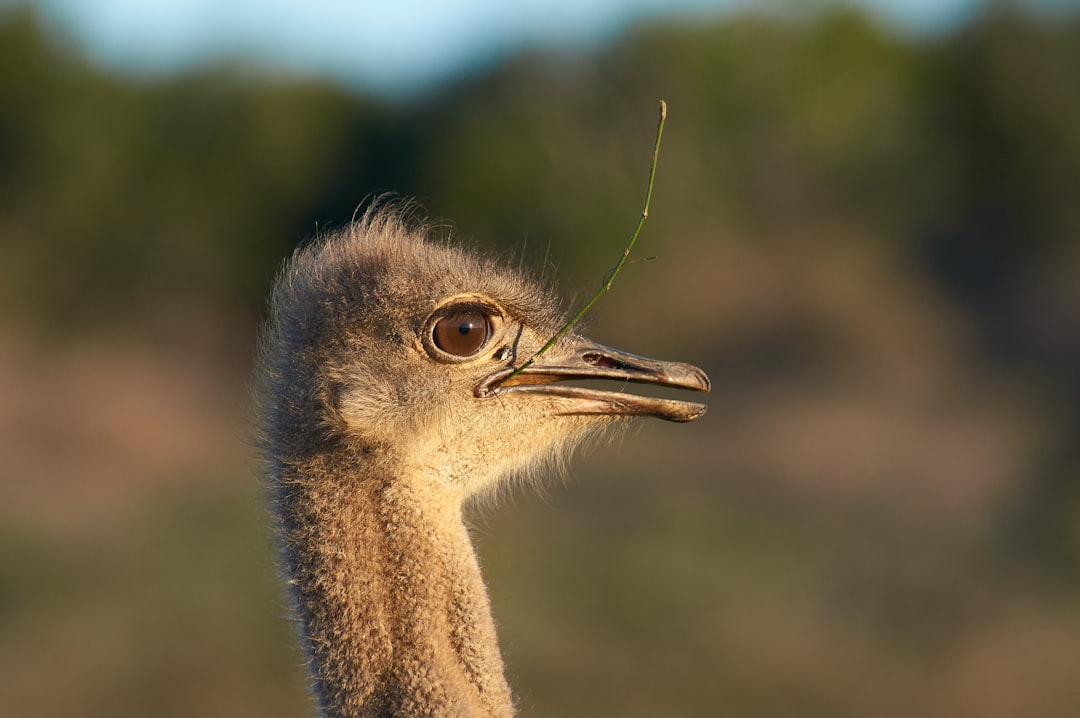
<point x="386" y="402"/>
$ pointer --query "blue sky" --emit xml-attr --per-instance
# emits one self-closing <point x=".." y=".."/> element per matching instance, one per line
<point x="394" y="47"/>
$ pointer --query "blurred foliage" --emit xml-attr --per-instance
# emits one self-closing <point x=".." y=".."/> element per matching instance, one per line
<point x="870" y="241"/>
<point x="116" y="193"/>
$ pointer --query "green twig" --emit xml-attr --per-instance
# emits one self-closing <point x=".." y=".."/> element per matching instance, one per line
<point x="609" y="278"/>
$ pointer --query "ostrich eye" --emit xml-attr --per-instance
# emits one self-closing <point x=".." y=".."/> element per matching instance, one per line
<point x="463" y="333"/>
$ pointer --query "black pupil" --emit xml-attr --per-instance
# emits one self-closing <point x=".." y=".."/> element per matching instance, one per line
<point x="463" y="333"/>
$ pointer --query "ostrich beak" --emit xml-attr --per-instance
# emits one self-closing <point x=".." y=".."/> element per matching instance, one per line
<point x="581" y="358"/>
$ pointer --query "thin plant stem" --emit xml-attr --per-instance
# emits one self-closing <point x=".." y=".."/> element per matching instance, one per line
<point x="609" y="278"/>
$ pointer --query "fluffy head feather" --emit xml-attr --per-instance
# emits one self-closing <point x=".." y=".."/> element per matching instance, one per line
<point x="345" y="357"/>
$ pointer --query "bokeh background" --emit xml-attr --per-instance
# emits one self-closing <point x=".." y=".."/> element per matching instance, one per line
<point x="867" y="224"/>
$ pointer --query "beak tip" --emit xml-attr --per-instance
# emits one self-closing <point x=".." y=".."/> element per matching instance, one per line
<point x="704" y="385"/>
<point x="690" y="377"/>
<point x="693" y="415"/>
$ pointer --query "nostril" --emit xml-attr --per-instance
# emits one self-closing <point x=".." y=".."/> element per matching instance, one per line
<point x="602" y="360"/>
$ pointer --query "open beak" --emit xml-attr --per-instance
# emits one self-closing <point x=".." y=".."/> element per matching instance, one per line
<point x="581" y="358"/>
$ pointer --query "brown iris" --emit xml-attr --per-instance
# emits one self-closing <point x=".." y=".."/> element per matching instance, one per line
<point x="462" y="333"/>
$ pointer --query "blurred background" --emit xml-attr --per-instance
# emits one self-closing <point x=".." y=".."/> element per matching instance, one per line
<point x="867" y="224"/>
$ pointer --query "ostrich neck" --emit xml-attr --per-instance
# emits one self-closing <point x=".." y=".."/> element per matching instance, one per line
<point x="389" y="594"/>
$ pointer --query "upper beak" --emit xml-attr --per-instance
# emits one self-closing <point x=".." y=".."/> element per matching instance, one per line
<point x="581" y="358"/>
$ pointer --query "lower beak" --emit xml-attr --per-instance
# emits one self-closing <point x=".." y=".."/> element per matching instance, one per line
<point x="581" y="358"/>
